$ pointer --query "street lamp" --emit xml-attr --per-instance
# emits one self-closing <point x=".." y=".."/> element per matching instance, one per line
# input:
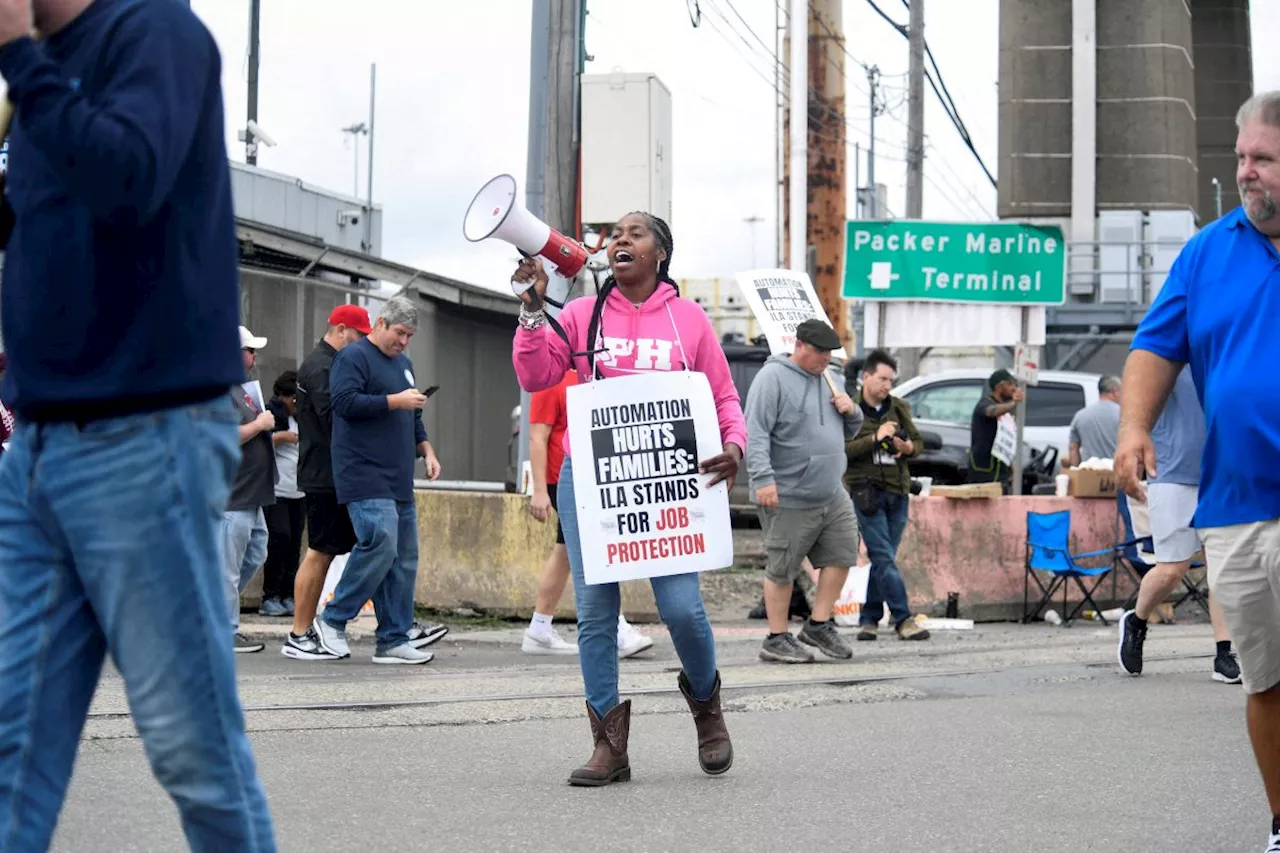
<point x="752" y="221"/>
<point x="355" y="131"/>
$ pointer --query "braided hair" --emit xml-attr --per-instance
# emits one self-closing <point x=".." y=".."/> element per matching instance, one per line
<point x="662" y="235"/>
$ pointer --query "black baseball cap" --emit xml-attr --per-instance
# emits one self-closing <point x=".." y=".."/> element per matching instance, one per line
<point x="818" y="334"/>
<point x="999" y="376"/>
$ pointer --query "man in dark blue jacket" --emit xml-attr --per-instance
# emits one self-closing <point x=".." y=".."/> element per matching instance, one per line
<point x="377" y="425"/>
<point x="120" y="309"/>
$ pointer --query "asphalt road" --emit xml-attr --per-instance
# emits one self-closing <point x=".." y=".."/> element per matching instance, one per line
<point x="1002" y="739"/>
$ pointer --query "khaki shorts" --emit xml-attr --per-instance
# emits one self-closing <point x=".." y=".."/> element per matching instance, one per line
<point x="827" y="535"/>
<point x="1244" y="576"/>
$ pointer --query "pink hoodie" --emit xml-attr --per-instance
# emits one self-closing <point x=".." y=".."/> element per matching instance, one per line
<point x="658" y="335"/>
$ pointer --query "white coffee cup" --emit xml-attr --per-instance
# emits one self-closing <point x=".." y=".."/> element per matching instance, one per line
<point x="1061" y="485"/>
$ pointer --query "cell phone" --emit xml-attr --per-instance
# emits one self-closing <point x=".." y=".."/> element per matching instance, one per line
<point x="427" y="392"/>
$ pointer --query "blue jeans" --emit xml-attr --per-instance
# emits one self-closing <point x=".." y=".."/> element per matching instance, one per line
<point x="882" y="531"/>
<point x="383" y="568"/>
<point x="679" y="600"/>
<point x="110" y="541"/>
<point x="244" y="542"/>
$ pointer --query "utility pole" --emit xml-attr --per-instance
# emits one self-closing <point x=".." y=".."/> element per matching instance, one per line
<point x="915" y="111"/>
<point x="367" y="244"/>
<point x="798" y="138"/>
<point x="828" y="194"/>
<point x="556" y="63"/>
<point x="873" y="193"/>
<point x="909" y="358"/>
<point x="250" y="141"/>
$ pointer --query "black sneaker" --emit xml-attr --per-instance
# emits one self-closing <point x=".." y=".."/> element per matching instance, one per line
<point x="826" y="639"/>
<point x="423" y="634"/>
<point x="1132" y="636"/>
<point x="244" y="645"/>
<point x="1226" y="668"/>
<point x="784" y="649"/>
<point x="305" y="647"/>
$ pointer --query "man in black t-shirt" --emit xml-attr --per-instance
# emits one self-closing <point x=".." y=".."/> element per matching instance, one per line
<point x="244" y="527"/>
<point x="1002" y="398"/>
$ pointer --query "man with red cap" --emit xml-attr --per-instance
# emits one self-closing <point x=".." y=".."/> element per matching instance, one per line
<point x="329" y="530"/>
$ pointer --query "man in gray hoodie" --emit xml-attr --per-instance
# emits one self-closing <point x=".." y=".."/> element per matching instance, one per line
<point x="797" y="425"/>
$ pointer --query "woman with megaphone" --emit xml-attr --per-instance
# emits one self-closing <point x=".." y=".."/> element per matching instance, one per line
<point x="638" y="301"/>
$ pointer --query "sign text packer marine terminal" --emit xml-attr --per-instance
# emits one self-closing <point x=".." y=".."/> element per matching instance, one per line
<point x="995" y="263"/>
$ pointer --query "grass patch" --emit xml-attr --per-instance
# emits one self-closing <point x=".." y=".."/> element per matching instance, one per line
<point x="475" y="619"/>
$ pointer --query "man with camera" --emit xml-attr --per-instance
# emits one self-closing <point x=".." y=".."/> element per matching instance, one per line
<point x="880" y="485"/>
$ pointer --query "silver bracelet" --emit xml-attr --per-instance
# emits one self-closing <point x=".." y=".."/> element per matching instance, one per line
<point x="531" y="320"/>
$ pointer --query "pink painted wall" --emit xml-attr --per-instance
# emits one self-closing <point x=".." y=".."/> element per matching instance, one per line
<point x="977" y="548"/>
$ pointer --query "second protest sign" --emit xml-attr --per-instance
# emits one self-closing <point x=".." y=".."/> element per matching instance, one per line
<point x="644" y="510"/>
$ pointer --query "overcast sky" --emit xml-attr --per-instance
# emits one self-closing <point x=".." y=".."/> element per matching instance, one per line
<point x="453" y="103"/>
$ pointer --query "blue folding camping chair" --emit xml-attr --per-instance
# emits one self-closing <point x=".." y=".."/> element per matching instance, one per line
<point x="1048" y="550"/>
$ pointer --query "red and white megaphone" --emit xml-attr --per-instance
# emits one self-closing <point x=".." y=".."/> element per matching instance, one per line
<point x="494" y="212"/>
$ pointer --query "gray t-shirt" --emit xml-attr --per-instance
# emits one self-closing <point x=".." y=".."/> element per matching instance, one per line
<point x="1178" y="435"/>
<point x="1095" y="428"/>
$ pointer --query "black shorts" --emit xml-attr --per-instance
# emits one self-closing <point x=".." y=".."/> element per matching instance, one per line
<point x="329" y="529"/>
<point x="552" y="491"/>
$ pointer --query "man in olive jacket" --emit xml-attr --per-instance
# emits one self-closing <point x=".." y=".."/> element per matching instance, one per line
<point x="880" y="485"/>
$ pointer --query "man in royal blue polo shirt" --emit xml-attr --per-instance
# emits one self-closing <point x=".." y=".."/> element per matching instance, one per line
<point x="120" y="307"/>
<point x="1217" y="312"/>
<point x="377" y="433"/>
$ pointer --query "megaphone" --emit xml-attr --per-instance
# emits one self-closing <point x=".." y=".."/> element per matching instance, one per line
<point x="494" y="212"/>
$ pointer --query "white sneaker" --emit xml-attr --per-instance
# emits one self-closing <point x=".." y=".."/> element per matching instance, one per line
<point x="630" y="641"/>
<point x="546" y="643"/>
<point x="331" y="639"/>
<point x="403" y="654"/>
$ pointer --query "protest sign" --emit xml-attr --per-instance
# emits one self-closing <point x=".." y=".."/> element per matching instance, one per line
<point x="1005" y="446"/>
<point x="644" y="510"/>
<point x="782" y="300"/>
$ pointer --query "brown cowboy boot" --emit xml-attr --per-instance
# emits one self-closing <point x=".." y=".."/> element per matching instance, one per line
<point x="609" y="762"/>
<point x="715" y="752"/>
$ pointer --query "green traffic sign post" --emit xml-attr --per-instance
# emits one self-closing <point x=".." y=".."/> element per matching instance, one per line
<point x="1003" y="263"/>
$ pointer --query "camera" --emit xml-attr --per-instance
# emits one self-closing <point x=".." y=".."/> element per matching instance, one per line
<point x="886" y="443"/>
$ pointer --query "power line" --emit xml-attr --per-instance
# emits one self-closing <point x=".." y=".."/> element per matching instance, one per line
<point x="948" y="105"/>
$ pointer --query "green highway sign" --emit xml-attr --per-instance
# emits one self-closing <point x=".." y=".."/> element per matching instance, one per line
<point x="997" y="263"/>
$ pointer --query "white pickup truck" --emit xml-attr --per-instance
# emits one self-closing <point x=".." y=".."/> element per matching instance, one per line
<point x="949" y="397"/>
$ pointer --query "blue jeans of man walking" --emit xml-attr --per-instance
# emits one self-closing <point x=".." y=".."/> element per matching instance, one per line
<point x="882" y="531"/>
<point x="382" y="568"/>
<point x="110" y="541"/>
<point x="679" y="599"/>
<point x="244" y="537"/>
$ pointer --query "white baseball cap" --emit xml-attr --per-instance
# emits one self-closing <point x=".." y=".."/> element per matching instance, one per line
<point x="248" y="341"/>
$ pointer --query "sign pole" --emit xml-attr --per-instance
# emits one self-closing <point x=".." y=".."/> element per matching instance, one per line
<point x="1021" y="414"/>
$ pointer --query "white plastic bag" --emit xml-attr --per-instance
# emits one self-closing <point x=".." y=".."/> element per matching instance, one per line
<point x="331" y="583"/>
<point x="852" y="596"/>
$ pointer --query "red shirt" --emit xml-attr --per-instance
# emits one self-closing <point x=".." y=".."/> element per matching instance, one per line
<point x="550" y="407"/>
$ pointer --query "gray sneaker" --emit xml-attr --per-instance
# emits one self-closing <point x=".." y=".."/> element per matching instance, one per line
<point x="331" y="639"/>
<point x="784" y="649"/>
<point x="244" y="645"/>
<point x="402" y="654"/>
<point x="826" y="639"/>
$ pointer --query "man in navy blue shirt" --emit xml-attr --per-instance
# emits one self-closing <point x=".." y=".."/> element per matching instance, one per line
<point x="1216" y="312"/>
<point x="120" y="309"/>
<point x="377" y="432"/>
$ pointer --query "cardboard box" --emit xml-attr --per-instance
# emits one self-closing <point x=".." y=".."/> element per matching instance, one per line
<point x="968" y="491"/>
<point x="1091" y="483"/>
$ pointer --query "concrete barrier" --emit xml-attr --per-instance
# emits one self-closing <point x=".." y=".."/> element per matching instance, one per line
<point x="977" y="548"/>
<point x="484" y="550"/>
